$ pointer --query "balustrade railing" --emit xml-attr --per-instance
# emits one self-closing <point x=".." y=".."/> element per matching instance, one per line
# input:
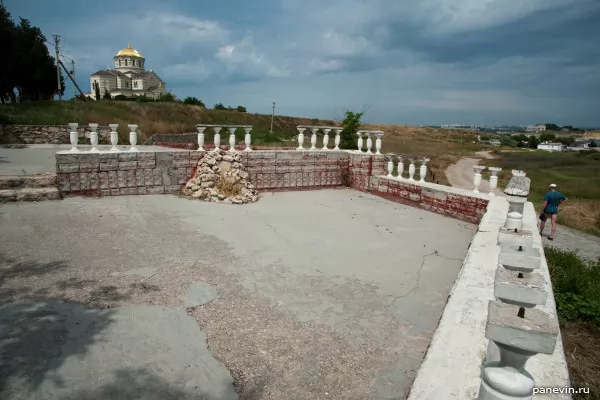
<point x="314" y="131"/>
<point x="478" y="175"/>
<point x="114" y="137"/>
<point x="217" y="135"/>
<point x="397" y="163"/>
<point x="516" y="329"/>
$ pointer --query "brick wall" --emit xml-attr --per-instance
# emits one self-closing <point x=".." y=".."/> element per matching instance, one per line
<point x="446" y="200"/>
<point x="112" y="174"/>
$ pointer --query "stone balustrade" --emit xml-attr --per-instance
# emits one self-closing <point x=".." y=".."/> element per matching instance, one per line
<point x="314" y="130"/>
<point x="369" y="142"/>
<point x="516" y="329"/>
<point x="114" y="137"/>
<point x="478" y="174"/>
<point x="217" y="135"/>
<point x="397" y="162"/>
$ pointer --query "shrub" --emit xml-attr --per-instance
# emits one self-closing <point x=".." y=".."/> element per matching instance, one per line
<point x="193" y="101"/>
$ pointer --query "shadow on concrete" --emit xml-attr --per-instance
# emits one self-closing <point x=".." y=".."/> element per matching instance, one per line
<point x="3" y="160"/>
<point x="139" y="384"/>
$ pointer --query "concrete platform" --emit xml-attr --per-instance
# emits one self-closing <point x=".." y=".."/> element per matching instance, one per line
<point x="326" y="294"/>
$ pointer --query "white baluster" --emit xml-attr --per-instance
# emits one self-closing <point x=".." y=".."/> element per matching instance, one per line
<point x="247" y="138"/>
<point x="300" y="138"/>
<point x="114" y="136"/>
<point x="369" y="143"/>
<point x="94" y="138"/>
<point x="326" y="139"/>
<point x="390" y="167"/>
<point x="232" y="130"/>
<point x="133" y="137"/>
<point x="201" y="129"/>
<point x="360" y="141"/>
<point x="378" y="142"/>
<point x="74" y="136"/>
<point x="477" y="177"/>
<point x="494" y="179"/>
<point x="217" y="138"/>
<point x="411" y="171"/>
<point x="423" y="169"/>
<point x="400" y="168"/>
<point x="313" y="139"/>
<point x="338" y="139"/>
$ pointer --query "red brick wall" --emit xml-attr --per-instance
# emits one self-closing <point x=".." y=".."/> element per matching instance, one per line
<point x="431" y="197"/>
<point x="362" y="167"/>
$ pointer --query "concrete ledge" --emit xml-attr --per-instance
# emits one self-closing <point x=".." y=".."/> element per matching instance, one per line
<point x="451" y="368"/>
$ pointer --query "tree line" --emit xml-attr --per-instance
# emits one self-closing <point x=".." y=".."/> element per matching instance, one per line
<point x="27" y="71"/>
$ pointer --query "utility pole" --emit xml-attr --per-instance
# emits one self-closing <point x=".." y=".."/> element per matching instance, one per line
<point x="272" y="116"/>
<point x="56" y="43"/>
<point x="73" y="80"/>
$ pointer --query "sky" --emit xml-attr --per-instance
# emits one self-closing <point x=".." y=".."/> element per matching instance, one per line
<point x="424" y="62"/>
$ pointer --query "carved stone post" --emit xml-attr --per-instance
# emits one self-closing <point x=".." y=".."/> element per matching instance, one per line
<point x="313" y="139"/>
<point x="326" y="138"/>
<point x="423" y="169"/>
<point x="300" y="138"/>
<point x="133" y="137"/>
<point x="217" y="138"/>
<point x="232" y="130"/>
<point x="411" y="170"/>
<point x="201" y="129"/>
<point x="360" y="141"/>
<point x="74" y="136"/>
<point x="400" y="168"/>
<point x="378" y="142"/>
<point x="516" y="192"/>
<point x="247" y="138"/>
<point x="390" y="166"/>
<point x="338" y="139"/>
<point x="477" y="177"/>
<point x="94" y="138"/>
<point x="369" y="143"/>
<point x="114" y="137"/>
<point x="493" y="179"/>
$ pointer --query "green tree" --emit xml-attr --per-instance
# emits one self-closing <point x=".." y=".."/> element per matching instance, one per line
<point x="219" y="106"/>
<point x="193" y="101"/>
<point x="241" y="109"/>
<point x="552" y="127"/>
<point x="351" y="125"/>
<point x="107" y="95"/>
<point x="532" y="142"/>
<point x="166" y="97"/>
<point x="97" y="91"/>
<point x="547" y="137"/>
<point x="566" y="140"/>
<point x="27" y="72"/>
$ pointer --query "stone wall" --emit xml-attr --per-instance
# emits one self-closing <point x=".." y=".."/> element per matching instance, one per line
<point x="155" y="172"/>
<point x="50" y="134"/>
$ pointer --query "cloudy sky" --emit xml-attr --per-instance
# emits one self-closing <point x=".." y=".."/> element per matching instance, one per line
<point x="410" y="62"/>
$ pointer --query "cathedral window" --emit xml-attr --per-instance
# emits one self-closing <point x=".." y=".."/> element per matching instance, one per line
<point x="125" y="62"/>
<point x="135" y="84"/>
<point x="119" y="63"/>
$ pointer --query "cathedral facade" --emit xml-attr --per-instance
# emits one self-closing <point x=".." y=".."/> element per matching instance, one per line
<point x="128" y="78"/>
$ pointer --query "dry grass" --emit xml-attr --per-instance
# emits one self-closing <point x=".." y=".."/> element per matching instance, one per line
<point x="582" y="351"/>
<point x="228" y="186"/>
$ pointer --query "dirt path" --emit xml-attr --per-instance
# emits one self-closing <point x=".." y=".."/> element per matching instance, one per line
<point x="588" y="246"/>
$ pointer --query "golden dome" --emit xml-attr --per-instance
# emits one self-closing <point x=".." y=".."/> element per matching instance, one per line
<point x="129" y="52"/>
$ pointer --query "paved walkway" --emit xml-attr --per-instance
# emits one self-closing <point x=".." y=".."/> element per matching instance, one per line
<point x="588" y="246"/>
<point x="329" y="294"/>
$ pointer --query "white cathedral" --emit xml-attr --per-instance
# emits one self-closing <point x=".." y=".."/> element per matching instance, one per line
<point x="129" y="78"/>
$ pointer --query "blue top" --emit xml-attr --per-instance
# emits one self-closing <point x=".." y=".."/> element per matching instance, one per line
<point x="553" y="199"/>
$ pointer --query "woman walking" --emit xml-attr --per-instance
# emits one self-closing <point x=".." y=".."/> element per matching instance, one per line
<point x="552" y="200"/>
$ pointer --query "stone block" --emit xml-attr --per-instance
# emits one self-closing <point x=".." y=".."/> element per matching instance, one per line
<point x="74" y="182"/>
<point x="181" y="163"/>
<point x="536" y="331"/>
<point x="127" y="165"/>
<point x="141" y="190"/>
<point x="111" y="165"/>
<point x="155" y="189"/>
<point x="73" y="158"/>
<point x="89" y="166"/>
<point x="519" y="257"/>
<point x="68" y="168"/>
<point x="115" y="192"/>
<point x="128" y="156"/>
<point x="148" y="177"/>
<point x="181" y="155"/>
<point x="529" y="289"/>
<point x="128" y="191"/>
<point x="164" y="159"/>
<point x="518" y="186"/>
<point x="143" y="164"/>
<point x="146" y="156"/>
<point x="103" y="180"/>
<point x="140" y="177"/>
<point x="157" y="177"/>
<point x="84" y="181"/>
<point x="268" y="154"/>
<point x="113" y="179"/>
<point x="108" y="157"/>
<point x="172" y="188"/>
<point x="64" y="184"/>
<point x="105" y="192"/>
<point x="519" y="238"/>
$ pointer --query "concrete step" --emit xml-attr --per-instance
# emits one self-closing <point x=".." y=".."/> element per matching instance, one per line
<point x="27" y="181"/>
<point x="29" y="194"/>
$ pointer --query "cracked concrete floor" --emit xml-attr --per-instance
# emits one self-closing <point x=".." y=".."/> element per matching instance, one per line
<point x="329" y="294"/>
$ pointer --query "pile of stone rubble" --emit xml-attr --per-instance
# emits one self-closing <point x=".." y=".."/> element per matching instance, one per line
<point x="221" y="178"/>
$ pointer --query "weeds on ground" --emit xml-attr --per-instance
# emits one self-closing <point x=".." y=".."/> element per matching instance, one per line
<point x="228" y="186"/>
<point x="576" y="284"/>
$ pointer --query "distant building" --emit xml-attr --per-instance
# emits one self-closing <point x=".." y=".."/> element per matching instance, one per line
<point x="129" y="78"/>
<point x="536" y="128"/>
<point x="551" y="146"/>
